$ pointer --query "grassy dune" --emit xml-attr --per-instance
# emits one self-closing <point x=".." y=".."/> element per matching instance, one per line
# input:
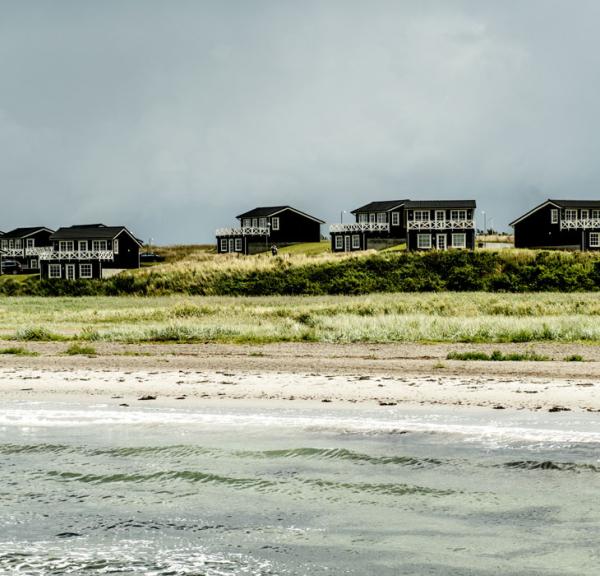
<point x="444" y="317"/>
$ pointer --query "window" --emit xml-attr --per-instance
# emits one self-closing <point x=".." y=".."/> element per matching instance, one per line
<point x="594" y="239"/>
<point x="381" y="217"/>
<point x="4" y="244"/>
<point x="238" y="244"/>
<point x="595" y="214"/>
<point x="262" y="222"/>
<point x="395" y="218"/>
<point x="98" y="245"/>
<point x="554" y="216"/>
<point x="54" y="271"/>
<point x="85" y="270"/>
<point x="246" y="222"/>
<point x="570" y="214"/>
<point x="339" y="242"/>
<point x="372" y="217"/>
<point x="459" y="240"/>
<point x="18" y="243"/>
<point x="11" y="243"/>
<point x="440" y="215"/>
<point x="115" y="246"/>
<point x="34" y="264"/>
<point x="83" y="245"/>
<point x="585" y="214"/>
<point x="458" y="215"/>
<point x="223" y="244"/>
<point x="30" y="242"/>
<point x="423" y="241"/>
<point x="422" y="215"/>
<point x="255" y="222"/>
<point x="66" y="246"/>
<point x="355" y="242"/>
<point x="275" y="223"/>
<point x="362" y="217"/>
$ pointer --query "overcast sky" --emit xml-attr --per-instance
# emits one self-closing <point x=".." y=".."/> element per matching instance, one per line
<point x="172" y="117"/>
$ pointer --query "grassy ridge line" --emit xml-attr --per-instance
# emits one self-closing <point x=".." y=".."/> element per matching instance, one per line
<point x="202" y="273"/>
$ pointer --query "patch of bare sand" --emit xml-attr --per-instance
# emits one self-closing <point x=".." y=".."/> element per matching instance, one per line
<point x="381" y="374"/>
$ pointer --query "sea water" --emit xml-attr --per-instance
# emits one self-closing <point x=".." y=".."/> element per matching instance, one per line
<point x="225" y="489"/>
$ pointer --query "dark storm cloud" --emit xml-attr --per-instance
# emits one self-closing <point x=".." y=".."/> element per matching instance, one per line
<point x="172" y="117"/>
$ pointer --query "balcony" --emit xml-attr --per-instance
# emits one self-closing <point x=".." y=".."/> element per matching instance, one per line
<point x="581" y="224"/>
<point x="441" y="224"/>
<point x="245" y="231"/>
<point x="51" y="254"/>
<point x="22" y="252"/>
<point x="360" y="227"/>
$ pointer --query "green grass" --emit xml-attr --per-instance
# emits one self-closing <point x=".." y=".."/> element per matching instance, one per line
<point x="574" y="358"/>
<point x="80" y="349"/>
<point x="307" y="248"/>
<point x="497" y="356"/>
<point x="17" y="351"/>
<point x="429" y="317"/>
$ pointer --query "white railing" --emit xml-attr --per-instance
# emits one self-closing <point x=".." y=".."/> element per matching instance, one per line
<point x="77" y="255"/>
<point x="441" y="224"/>
<point x="31" y="251"/>
<point x="361" y="227"/>
<point x="245" y="231"/>
<point x="581" y="223"/>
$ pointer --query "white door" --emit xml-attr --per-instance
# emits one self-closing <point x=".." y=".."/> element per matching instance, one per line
<point x="347" y="247"/>
<point x="441" y="242"/>
<point x="70" y="271"/>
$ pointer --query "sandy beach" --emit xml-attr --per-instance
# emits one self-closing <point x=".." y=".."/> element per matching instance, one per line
<point x="334" y="374"/>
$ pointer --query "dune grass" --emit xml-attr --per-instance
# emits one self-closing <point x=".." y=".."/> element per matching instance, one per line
<point x="428" y="317"/>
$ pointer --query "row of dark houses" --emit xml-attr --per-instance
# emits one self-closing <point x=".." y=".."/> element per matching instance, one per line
<point x="422" y="225"/>
<point x="88" y="251"/>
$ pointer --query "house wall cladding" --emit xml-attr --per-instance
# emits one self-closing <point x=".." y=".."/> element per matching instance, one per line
<point x="71" y="270"/>
<point x="448" y="236"/>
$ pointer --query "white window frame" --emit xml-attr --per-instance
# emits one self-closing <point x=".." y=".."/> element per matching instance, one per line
<point x="463" y="240"/>
<point x="116" y="246"/>
<point x="247" y="222"/>
<point x="275" y="223"/>
<point x="339" y="242"/>
<point x="395" y="218"/>
<point x="437" y="215"/>
<point x="424" y="241"/>
<point x="30" y="242"/>
<point x="83" y="245"/>
<point x="595" y="214"/>
<point x="11" y="243"/>
<point x="70" y="268"/>
<point x="238" y="245"/>
<point x="83" y="274"/>
<point x="570" y="214"/>
<point x="18" y="243"/>
<point x="223" y="244"/>
<point x="594" y="239"/>
<point x="372" y="217"/>
<point x="255" y="222"/>
<point x="54" y="271"/>
<point x="34" y="263"/>
<point x="381" y="217"/>
<point x="355" y="241"/>
<point x="554" y="216"/>
<point x="585" y="214"/>
<point x="262" y="222"/>
<point x="99" y="245"/>
<point x="421" y="215"/>
<point x="458" y="215"/>
<point x="4" y="244"/>
<point x="66" y="246"/>
<point x="363" y="217"/>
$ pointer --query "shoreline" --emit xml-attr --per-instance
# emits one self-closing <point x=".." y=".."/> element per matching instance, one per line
<point x="364" y="374"/>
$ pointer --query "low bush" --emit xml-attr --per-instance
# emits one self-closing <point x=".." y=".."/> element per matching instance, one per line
<point x="76" y="349"/>
<point x="498" y="356"/>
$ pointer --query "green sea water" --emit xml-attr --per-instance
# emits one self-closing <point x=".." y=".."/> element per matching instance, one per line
<point x="226" y="489"/>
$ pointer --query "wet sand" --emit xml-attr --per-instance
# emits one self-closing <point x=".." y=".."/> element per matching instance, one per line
<point x="335" y="374"/>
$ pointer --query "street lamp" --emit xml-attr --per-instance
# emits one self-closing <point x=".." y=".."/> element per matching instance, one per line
<point x="484" y="221"/>
<point x="342" y="216"/>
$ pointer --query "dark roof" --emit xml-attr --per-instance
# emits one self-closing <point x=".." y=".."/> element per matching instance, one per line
<point x="441" y="204"/>
<point x="268" y="211"/>
<point x="381" y="206"/>
<point x="93" y="232"/>
<point x="24" y="232"/>
<point x="576" y="203"/>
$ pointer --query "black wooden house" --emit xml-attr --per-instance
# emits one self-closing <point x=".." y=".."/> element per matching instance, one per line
<point x="377" y="225"/>
<point x="440" y="224"/>
<point x="263" y="227"/>
<point x="560" y="224"/>
<point x="90" y="251"/>
<point x="25" y="245"/>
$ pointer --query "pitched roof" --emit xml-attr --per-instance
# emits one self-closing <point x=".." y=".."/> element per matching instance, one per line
<point x="380" y="206"/>
<point x="24" y="232"/>
<point x="91" y="231"/>
<point x="442" y="204"/>
<point x="559" y="204"/>
<point x="268" y="211"/>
